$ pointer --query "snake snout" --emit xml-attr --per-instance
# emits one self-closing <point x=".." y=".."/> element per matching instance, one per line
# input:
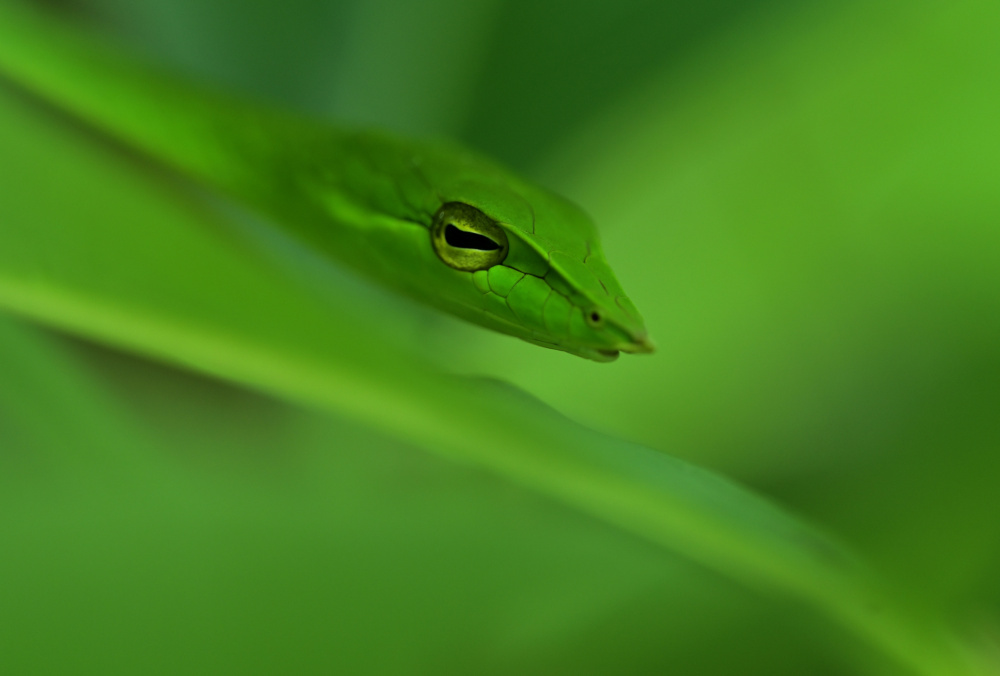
<point x="639" y="345"/>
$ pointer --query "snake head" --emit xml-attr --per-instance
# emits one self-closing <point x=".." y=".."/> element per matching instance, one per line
<point x="535" y="268"/>
<point x="493" y="248"/>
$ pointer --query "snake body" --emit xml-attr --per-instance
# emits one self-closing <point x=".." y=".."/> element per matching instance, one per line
<point x="432" y="220"/>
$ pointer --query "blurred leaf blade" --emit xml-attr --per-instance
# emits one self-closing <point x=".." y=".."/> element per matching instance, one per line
<point x="296" y="540"/>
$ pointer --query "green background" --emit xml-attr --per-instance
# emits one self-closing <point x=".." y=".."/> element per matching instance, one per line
<point x="803" y="199"/>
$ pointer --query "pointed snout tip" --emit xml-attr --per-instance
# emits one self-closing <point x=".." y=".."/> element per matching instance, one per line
<point x="641" y="345"/>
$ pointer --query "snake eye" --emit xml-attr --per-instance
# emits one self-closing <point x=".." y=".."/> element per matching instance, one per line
<point x="595" y="319"/>
<point x="467" y="239"/>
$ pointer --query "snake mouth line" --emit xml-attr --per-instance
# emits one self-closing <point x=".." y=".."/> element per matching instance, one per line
<point x="642" y="345"/>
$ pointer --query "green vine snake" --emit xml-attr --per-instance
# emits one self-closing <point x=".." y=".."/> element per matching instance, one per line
<point x="431" y="220"/>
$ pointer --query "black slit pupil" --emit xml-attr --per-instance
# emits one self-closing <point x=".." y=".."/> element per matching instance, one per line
<point x="462" y="239"/>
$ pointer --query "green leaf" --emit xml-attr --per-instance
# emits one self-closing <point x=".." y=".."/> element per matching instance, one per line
<point x="246" y="534"/>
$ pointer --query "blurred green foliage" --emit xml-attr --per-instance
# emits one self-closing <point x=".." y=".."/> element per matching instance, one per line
<point x="801" y="197"/>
